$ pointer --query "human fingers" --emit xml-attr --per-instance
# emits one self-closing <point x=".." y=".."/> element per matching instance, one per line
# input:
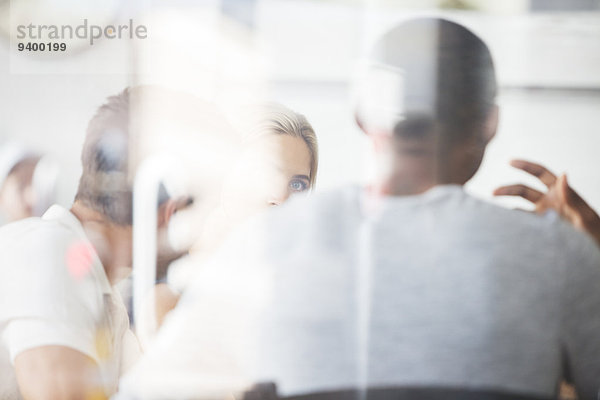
<point x="537" y="170"/>
<point x="519" y="190"/>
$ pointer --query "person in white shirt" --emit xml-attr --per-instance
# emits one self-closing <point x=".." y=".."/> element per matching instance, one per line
<point x="63" y="326"/>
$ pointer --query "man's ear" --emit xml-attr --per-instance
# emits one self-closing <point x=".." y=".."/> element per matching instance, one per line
<point x="379" y="138"/>
<point x="359" y="121"/>
<point x="491" y="124"/>
<point x="170" y="207"/>
<point x="165" y="212"/>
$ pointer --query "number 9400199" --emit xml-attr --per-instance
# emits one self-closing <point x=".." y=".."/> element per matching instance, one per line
<point x="50" y="46"/>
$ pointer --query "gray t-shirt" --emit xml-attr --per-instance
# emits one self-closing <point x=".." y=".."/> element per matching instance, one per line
<point x="339" y="291"/>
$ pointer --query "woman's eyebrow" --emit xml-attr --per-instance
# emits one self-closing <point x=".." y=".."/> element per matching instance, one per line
<point x="301" y="177"/>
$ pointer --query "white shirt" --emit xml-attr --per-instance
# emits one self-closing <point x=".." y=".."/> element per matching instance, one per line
<point x="435" y="290"/>
<point x="54" y="291"/>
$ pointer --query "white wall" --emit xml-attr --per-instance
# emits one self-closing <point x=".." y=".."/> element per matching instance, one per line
<point x="560" y="130"/>
<point x="50" y="112"/>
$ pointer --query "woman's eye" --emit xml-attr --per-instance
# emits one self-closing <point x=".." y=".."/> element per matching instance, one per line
<point x="298" y="185"/>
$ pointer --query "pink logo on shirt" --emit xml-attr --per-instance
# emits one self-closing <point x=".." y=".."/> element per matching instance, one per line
<point x="79" y="259"/>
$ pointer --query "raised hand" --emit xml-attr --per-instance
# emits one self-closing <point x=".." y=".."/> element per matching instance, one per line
<point x="559" y="197"/>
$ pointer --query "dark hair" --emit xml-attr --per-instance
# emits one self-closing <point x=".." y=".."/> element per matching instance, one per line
<point x="104" y="185"/>
<point x="447" y="74"/>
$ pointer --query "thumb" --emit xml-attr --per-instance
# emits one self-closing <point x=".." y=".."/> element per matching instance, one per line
<point x="565" y="192"/>
<point x="568" y="201"/>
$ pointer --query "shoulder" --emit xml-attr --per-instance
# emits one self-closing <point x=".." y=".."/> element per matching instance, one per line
<point x="31" y="230"/>
<point x="582" y="252"/>
<point x="485" y="212"/>
<point x="47" y="269"/>
<point x="35" y="241"/>
<point x="547" y="232"/>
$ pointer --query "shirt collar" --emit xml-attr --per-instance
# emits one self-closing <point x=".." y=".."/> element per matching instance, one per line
<point x="68" y="219"/>
<point x="434" y="192"/>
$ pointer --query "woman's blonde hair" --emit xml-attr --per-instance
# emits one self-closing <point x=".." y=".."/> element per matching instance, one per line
<point x="274" y="118"/>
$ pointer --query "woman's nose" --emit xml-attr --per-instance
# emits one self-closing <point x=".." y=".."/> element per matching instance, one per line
<point x="278" y="199"/>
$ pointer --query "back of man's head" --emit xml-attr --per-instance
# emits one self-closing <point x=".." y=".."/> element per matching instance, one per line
<point x="104" y="185"/>
<point x="441" y="80"/>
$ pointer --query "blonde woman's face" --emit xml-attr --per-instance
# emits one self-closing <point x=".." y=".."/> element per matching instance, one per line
<point x="268" y="172"/>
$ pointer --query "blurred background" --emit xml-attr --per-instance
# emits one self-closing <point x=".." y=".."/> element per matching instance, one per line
<point x="304" y="54"/>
